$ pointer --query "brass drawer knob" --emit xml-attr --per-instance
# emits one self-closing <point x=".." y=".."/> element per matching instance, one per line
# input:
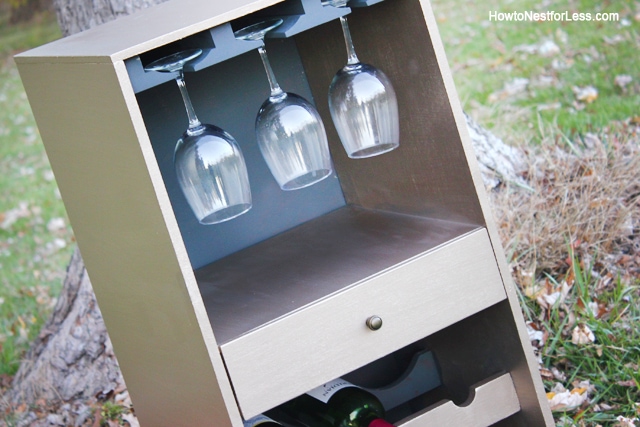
<point x="374" y="323"/>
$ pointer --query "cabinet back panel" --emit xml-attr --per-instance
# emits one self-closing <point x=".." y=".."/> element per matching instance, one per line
<point x="229" y="96"/>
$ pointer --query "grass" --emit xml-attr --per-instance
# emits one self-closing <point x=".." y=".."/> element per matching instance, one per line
<point x="609" y="365"/>
<point x="35" y="238"/>
<point x="572" y="243"/>
<point x="486" y="55"/>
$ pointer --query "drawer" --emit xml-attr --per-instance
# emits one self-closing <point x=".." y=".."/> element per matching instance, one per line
<point x="328" y="338"/>
<point x="492" y="400"/>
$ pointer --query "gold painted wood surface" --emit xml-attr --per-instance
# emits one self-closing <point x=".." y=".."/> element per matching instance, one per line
<point x="491" y="401"/>
<point x="327" y="339"/>
<point x="125" y="229"/>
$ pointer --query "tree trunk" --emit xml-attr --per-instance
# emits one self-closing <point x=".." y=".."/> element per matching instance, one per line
<point x="498" y="161"/>
<point x="72" y="359"/>
<point x="79" y="15"/>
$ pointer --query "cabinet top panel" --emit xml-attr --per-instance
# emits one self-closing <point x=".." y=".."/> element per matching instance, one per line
<point x="147" y="29"/>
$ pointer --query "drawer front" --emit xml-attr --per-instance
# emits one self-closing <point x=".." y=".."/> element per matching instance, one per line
<point x="329" y="338"/>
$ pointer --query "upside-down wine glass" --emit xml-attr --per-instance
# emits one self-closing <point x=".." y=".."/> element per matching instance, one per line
<point x="362" y="103"/>
<point x="289" y="131"/>
<point x="208" y="161"/>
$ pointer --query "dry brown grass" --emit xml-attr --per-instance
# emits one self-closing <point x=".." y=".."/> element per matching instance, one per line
<point x="584" y="197"/>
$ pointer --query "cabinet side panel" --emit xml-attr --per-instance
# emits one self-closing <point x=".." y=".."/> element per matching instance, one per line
<point x="118" y="211"/>
<point x="526" y="378"/>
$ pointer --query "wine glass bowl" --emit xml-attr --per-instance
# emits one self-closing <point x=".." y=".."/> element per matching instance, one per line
<point x="289" y="130"/>
<point x="364" y="110"/>
<point x="285" y="127"/>
<point x="212" y="174"/>
<point x="209" y="165"/>
<point x="362" y="103"/>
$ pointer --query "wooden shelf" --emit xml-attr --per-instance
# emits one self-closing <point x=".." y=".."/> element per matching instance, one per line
<point x="310" y="262"/>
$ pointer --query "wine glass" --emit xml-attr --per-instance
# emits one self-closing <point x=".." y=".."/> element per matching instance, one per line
<point x="289" y="130"/>
<point x="209" y="164"/>
<point x="362" y="103"/>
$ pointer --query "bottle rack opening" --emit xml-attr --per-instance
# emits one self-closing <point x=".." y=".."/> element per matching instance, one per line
<point x="418" y="384"/>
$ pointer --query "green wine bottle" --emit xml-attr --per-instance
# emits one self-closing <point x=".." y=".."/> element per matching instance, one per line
<point x="337" y="404"/>
<point x="261" y="421"/>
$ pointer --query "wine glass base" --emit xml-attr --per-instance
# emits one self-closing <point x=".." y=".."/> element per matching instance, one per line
<point x="306" y="180"/>
<point x="376" y="150"/>
<point x="173" y="62"/>
<point x="225" y="214"/>
<point x="258" y="30"/>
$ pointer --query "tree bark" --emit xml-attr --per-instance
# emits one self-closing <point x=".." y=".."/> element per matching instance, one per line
<point x="79" y="15"/>
<point x="498" y="161"/>
<point x="72" y="359"/>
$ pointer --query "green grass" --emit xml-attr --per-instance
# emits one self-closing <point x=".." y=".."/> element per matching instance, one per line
<point x="611" y="362"/>
<point x="486" y="54"/>
<point x="35" y="238"/>
<point x="15" y="38"/>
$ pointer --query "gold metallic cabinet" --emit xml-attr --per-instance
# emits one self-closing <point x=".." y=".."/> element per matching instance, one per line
<point x="407" y="236"/>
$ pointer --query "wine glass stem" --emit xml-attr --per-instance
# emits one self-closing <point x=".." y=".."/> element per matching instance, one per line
<point x="275" y="87"/>
<point x="191" y="113"/>
<point x="351" y="51"/>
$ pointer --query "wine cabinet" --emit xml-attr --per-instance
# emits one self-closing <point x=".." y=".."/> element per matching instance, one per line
<point x="389" y="256"/>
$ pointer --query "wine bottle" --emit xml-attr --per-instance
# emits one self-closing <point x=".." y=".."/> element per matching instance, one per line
<point x="261" y="421"/>
<point x="337" y="404"/>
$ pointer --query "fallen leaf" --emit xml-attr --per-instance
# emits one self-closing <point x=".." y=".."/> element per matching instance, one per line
<point x="562" y="63"/>
<point x="56" y="224"/>
<point x="12" y="215"/>
<point x="618" y="38"/>
<point x="627" y="383"/>
<point x="510" y="88"/>
<point x="552" y="106"/>
<point x="560" y="376"/>
<point x="526" y="48"/>
<point x="131" y="420"/>
<point x="546" y="374"/>
<point x="562" y="36"/>
<point x="548" y="48"/>
<point x="582" y="335"/>
<point x="585" y="94"/>
<point x="622" y="80"/>
<point x="578" y="106"/>
<point x="625" y="422"/>
<point x="552" y="294"/>
<point x="561" y="399"/>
